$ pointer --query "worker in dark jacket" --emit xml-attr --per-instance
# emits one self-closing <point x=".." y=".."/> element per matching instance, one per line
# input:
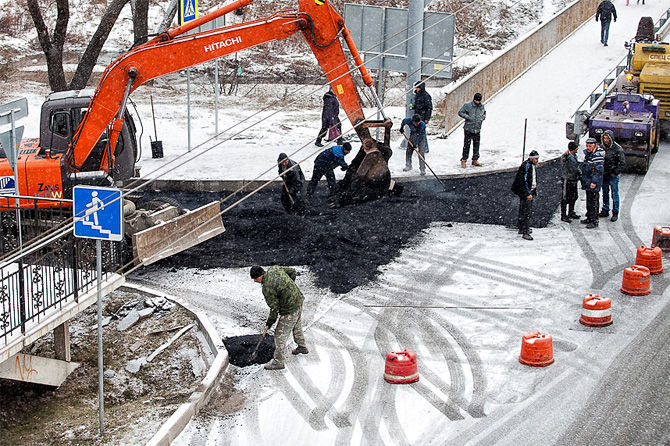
<point x="615" y="161"/>
<point x="569" y="176"/>
<point x="474" y="114"/>
<point x="285" y="299"/>
<point x="525" y="187"/>
<point x="592" y="180"/>
<point x="606" y="11"/>
<point x="330" y="117"/>
<point x="293" y="179"/>
<point x="324" y="164"/>
<point x="417" y="139"/>
<point x="422" y="105"/>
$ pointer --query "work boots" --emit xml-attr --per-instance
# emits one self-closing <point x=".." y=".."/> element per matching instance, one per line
<point x="274" y="365"/>
<point x="476" y="163"/>
<point x="301" y="349"/>
<point x="464" y="164"/>
<point x="564" y="216"/>
<point x="604" y="213"/>
<point x="615" y="216"/>
<point x="407" y="168"/>
<point x="318" y="142"/>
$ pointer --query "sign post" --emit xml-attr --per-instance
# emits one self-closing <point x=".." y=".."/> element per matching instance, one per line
<point x="98" y="214"/>
<point x="11" y="141"/>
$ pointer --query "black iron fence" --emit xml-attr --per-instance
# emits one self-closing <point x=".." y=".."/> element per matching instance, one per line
<point x="41" y="281"/>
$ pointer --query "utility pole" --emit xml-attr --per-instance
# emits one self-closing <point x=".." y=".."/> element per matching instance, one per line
<point x="414" y="48"/>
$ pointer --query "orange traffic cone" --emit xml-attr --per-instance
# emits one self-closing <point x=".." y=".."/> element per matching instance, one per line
<point x="401" y="367"/>
<point x="661" y="238"/>
<point x="636" y="281"/>
<point x="596" y="311"/>
<point x="652" y="258"/>
<point x="537" y="349"/>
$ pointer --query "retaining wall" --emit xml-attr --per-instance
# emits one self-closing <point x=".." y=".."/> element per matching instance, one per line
<point x="504" y="69"/>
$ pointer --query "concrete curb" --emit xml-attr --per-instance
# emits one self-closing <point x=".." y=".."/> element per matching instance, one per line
<point x="200" y="397"/>
<point x="231" y="185"/>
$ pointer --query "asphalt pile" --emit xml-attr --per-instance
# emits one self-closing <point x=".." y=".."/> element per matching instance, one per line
<point x="344" y="247"/>
<point x="241" y="349"/>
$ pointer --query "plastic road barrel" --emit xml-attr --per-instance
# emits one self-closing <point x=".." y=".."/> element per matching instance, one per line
<point x="636" y="281"/>
<point x="596" y="311"/>
<point x="537" y="349"/>
<point x="652" y="258"/>
<point x="401" y="367"/>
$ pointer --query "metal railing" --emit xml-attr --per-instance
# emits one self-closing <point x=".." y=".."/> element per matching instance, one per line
<point x="32" y="285"/>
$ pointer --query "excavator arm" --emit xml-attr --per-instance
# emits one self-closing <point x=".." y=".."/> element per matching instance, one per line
<point x="172" y="51"/>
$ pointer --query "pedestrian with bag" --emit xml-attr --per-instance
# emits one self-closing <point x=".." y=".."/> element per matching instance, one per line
<point x="525" y="187"/>
<point x="605" y="12"/>
<point x="569" y="177"/>
<point x="324" y="164"/>
<point x="615" y="161"/>
<point x="417" y="141"/>
<point x="285" y="300"/>
<point x="592" y="180"/>
<point x="474" y="114"/>
<point x="293" y="180"/>
<point x="330" y="119"/>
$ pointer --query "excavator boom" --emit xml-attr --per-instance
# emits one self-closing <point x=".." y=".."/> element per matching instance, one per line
<point x="173" y="51"/>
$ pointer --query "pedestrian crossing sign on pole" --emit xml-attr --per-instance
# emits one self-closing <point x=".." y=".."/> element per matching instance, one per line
<point x="188" y="11"/>
<point x="98" y="213"/>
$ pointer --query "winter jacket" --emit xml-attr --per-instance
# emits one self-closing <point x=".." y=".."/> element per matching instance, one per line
<point x="422" y="104"/>
<point x="281" y="293"/>
<point x="606" y="11"/>
<point x="415" y="131"/>
<point x="474" y="115"/>
<point x="592" y="169"/>
<point x="615" y="159"/>
<point x="523" y="182"/>
<point x="331" y="158"/>
<point x="293" y="178"/>
<point x="331" y="110"/>
<point x="569" y="167"/>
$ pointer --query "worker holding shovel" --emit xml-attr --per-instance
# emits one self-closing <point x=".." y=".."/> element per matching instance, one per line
<point x="293" y="179"/>
<point x="417" y="139"/>
<point x="285" y="300"/>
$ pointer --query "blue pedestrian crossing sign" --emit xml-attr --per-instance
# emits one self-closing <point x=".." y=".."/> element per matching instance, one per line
<point x="188" y="11"/>
<point x="98" y="213"/>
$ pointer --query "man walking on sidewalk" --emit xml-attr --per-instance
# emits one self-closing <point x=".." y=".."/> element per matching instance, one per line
<point x="474" y="114"/>
<point x="605" y="12"/>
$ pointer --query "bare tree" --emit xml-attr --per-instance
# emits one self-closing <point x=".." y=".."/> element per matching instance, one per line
<point x="140" y="20"/>
<point x="53" y="46"/>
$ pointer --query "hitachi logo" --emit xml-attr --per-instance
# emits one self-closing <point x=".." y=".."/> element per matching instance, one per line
<point x="222" y="44"/>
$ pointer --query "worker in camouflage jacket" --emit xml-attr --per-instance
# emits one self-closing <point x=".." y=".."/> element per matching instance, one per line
<point x="285" y="300"/>
<point x="615" y="161"/>
<point x="592" y="180"/>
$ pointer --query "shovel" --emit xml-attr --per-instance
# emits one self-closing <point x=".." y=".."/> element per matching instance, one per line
<point x="424" y="161"/>
<point x="253" y="355"/>
<point x="156" y="145"/>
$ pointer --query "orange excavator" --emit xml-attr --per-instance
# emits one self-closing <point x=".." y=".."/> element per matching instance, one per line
<point x="78" y="130"/>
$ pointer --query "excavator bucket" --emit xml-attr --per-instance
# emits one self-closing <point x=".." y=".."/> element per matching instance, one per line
<point x="176" y="235"/>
